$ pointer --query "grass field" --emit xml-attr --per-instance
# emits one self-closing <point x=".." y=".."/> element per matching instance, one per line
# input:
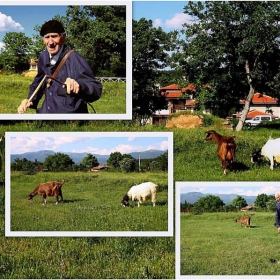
<point x="213" y="244"/>
<point x="197" y="159"/>
<point x="150" y="257"/>
<point x="15" y="88"/>
<point x="91" y="203"/>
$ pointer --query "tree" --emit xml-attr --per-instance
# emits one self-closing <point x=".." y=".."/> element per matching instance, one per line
<point x="271" y="204"/>
<point x="233" y="48"/>
<point x="90" y="161"/>
<point x="114" y="159"/>
<point x="261" y="201"/>
<point x="149" y="54"/>
<point x="128" y="164"/>
<point x="58" y="162"/>
<point x="15" y="56"/>
<point x="99" y="34"/>
<point x="239" y="202"/>
<point x="209" y="203"/>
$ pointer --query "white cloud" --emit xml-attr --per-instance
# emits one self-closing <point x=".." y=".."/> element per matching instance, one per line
<point x="178" y="20"/>
<point x="8" y="24"/>
<point x="157" y="23"/>
<point x="175" y="22"/>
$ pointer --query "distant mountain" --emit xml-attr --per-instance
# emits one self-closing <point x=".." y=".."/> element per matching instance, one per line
<point x="193" y="197"/>
<point x="78" y="157"/>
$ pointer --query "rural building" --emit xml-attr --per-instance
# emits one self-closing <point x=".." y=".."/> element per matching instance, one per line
<point x="182" y="99"/>
<point x="33" y="64"/>
<point x="178" y="99"/>
<point x="262" y="104"/>
<point x="100" y="167"/>
<point x="248" y="208"/>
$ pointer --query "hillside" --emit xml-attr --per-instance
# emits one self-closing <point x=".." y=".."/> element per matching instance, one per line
<point x="78" y="157"/>
<point x="193" y="197"/>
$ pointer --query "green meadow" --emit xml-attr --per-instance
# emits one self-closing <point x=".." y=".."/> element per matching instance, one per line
<point x="15" y="88"/>
<point x="92" y="202"/>
<point x="138" y="257"/>
<point x="213" y="244"/>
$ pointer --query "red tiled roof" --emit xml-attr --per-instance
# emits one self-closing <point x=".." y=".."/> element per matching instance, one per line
<point x="254" y="113"/>
<point x="261" y="99"/>
<point x="173" y="91"/>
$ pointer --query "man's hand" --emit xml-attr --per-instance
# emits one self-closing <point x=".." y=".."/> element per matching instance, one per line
<point x="72" y="86"/>
<point x="278" y="230"/>
<point x="24" y="105"/>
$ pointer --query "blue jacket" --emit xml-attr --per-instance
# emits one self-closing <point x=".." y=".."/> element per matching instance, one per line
<point x="56" y="98"/>
<point x="277" y="215"/>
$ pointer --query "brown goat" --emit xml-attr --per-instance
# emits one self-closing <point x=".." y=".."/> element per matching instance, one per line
<point x="226" y="148"/>
<point x="244" y="221"/>
<point x="48" y="189"/>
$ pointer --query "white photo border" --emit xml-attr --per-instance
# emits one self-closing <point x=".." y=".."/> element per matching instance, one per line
<point x="178" y="186"/>
<point x="125" y="116"/>
<point x="10" y="233"/>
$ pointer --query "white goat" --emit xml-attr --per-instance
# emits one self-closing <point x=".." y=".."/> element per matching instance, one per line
<point x="141" y="192"/>
<point x="271" y="151"/>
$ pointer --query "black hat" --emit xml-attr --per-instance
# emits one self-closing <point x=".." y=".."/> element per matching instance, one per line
<point x="52" y="26"/>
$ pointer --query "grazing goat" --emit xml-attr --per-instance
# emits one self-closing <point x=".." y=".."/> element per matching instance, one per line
<point x="244" y="221"/>
<point x="270" y="150"/>
<point x="141" y="192"/>
<point x="226" y="148"/>
<point x="48" y="189"/>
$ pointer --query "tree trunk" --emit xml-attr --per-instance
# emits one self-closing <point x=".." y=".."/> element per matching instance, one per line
<point x="248" y="99"/>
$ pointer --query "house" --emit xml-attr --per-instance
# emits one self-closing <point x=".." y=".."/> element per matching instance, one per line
<point x="179" y="99"/>
<point x="248" y="208"/>
<point x="99" y="167"/>
<point x="262" y="104"/>
<point x="33" y="64"/>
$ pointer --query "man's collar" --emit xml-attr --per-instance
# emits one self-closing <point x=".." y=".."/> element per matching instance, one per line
<point x="54" y="58"/>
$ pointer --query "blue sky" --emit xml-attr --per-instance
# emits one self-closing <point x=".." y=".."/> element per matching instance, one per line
<point x="14" y="18"/>
<point x="167" y="14"/>
<point x="24" y="18"/>
<point x="239" y="188"/>
<point x="96" y="143"/>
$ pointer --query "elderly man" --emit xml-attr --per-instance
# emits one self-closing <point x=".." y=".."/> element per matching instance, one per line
<point x="277" y="215"/>
<point x="79" y="85"/>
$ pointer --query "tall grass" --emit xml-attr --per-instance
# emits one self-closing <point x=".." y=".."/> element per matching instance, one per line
<point x="15" y="88"/>
<point x="213" y="244"/>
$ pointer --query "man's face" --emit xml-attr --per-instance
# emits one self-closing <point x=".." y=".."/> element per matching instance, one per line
<point x="53" y="42"/>
<point x="277" y="197"/>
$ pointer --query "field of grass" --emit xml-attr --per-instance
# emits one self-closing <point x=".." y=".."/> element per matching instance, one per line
<point x="15" y="88"/>
<point x="91" y="203"/>
<point x="213" y="244"/>
<point x="144" y="257"/>
<point x="196" y="159"/>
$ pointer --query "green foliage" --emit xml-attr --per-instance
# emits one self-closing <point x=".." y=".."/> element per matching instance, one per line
<point x="128" y="165"/>
<point x="261" y="201"/>
<point x="149" y="54"/>
<point x="209" y="203"/>
<point x="58" y="162"/>
<point x="99" y="34"/>
<point x="15" y="56"/>
<point x="115" y="159"/>
<point x="239" y="202"/>
<point x="90" y="161"/>
<point x="246" y="55"/>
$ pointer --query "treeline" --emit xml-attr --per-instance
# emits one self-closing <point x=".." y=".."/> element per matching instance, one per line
<point x="212" y="203"/>
<point x="116" y="161"/>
